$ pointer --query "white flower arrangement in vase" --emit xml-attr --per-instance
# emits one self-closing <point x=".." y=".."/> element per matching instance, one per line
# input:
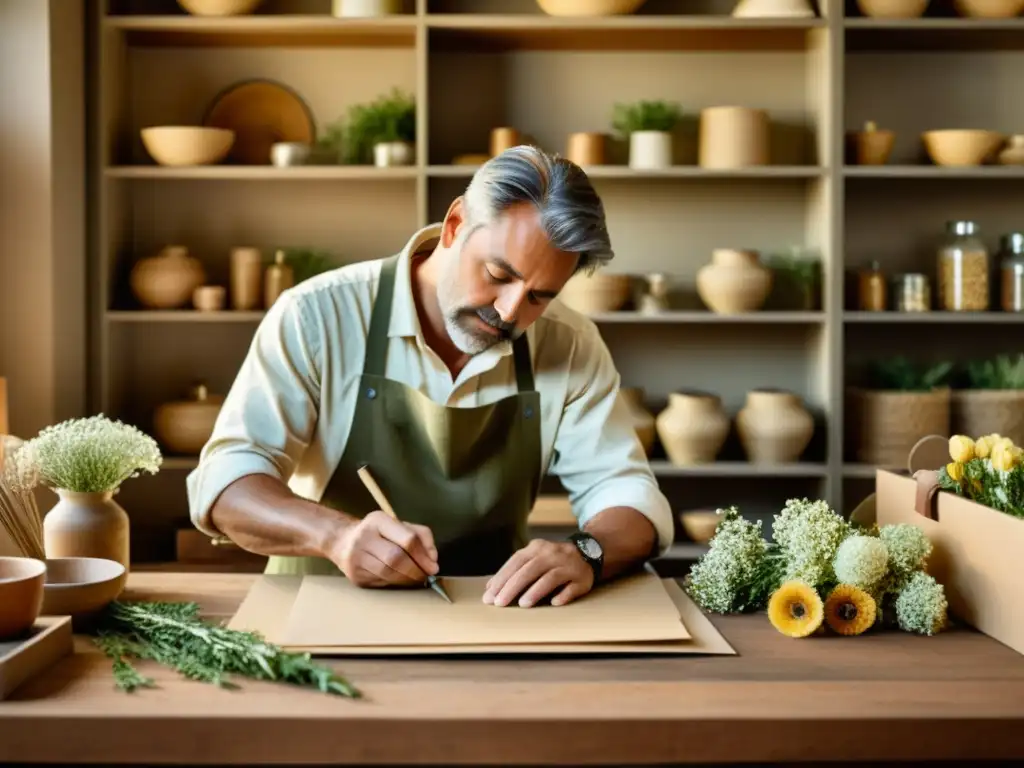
<point x="85" y="461"/>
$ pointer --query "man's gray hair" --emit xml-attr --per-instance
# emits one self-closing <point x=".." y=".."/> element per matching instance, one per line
<point x="571" y="211"/>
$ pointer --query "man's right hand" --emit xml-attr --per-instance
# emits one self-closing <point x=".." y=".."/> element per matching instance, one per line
<point x="380" y="551"/>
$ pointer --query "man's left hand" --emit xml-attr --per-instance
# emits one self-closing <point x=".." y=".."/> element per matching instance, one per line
<point x="540" y="569"/>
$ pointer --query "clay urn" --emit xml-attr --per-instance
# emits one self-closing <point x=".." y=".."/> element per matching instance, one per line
<point x="734" y="281"/>
<point x="183" y="427"/>
<point x="773" y="426"/>
<point x="167" y="279"/>
<point x="693" y="427"/>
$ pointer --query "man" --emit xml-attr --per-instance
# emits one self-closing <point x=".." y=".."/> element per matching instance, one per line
<point x="454" y="375"/>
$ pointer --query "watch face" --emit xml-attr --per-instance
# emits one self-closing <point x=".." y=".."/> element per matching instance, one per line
<point x="590" y="547"/>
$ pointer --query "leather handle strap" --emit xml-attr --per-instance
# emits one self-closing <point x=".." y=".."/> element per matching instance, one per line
<point x="926" y="502"/>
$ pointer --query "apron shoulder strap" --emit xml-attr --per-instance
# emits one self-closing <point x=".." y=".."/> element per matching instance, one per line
<point x="524" y="367"/>
<point x="380" y="319"/>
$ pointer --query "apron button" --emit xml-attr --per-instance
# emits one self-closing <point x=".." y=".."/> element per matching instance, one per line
<point x="528" y="413"/>
<point x="371" y="393"/>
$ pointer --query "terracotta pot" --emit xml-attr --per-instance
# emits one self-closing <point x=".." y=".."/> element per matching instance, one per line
<point x="643" y="419"/>
<point x="774" y="427"/>
<point x="183" y="427"/>
<point x="735" y="281"/>
<point x="87" y="525"/>
<point x="166" y="280"/>
<point x="693" y="427"/>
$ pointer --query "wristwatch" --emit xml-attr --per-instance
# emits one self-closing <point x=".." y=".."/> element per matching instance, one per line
<point x="591" y="551"/>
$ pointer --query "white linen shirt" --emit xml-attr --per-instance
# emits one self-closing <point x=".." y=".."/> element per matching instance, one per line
<point x="290" y="408"/>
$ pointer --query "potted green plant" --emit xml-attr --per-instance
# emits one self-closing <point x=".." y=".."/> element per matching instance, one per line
<point x="796" y="280"/>
<point x="382" y="132"/>
<point x="649" y="126"/>
<point x="990" y="398"/>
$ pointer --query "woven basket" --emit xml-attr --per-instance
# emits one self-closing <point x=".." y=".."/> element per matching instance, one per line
<point x="884" y="425"/>
<point x="978" y="412"/>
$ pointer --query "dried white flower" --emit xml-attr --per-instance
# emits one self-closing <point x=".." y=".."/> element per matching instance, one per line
<point x="809" y="533"/>
<point x="907" y="545"/>
<point x="862" y="561"/>
<point x="921" y="605"/>
<point x="730" y="566"/>
<point x="94" y="454"/>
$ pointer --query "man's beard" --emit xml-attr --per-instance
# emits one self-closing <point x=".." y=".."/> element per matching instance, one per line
<point x="462" y="322"/>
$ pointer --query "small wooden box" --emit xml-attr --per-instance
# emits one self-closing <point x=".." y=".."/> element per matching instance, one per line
<point x="49" y="641"/>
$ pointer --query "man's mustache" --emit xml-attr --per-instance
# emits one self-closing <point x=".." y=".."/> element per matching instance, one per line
<point x="490" y="316"/>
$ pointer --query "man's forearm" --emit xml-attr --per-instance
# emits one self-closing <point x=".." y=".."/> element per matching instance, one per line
<point x="260" y="514"/>
<point x="627" y="537"/>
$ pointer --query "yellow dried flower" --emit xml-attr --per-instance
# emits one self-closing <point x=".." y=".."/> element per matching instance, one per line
<point x="796" y="609"/>
<point x="961" y="448"/>
<point x="850" y="610"/>
<point x="983" y="447"/>
<point x="1004" y="457"/>
<point x="955" y="471"/>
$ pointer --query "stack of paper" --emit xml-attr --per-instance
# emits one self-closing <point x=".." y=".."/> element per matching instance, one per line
<point x="328" y="615"/>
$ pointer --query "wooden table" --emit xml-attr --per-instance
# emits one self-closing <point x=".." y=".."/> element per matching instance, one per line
<point x="888" y="696"/>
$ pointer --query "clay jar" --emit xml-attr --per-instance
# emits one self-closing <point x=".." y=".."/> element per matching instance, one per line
<point x="167" y="279"/>
<point x="183" y="427"/>
<point x="643" y="420"/>
<point x="87" y="525"/>
<point x="735" y="281"/>
<point x="774" y="427"/>
<point x="693" y="427"/>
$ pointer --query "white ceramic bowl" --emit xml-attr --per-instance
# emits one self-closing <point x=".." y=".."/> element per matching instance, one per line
<point x="184" y="145"/>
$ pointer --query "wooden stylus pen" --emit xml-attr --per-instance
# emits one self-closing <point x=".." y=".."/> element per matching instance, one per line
<point x="378" y="495"/>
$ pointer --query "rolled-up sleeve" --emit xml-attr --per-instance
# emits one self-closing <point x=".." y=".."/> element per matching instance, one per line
<point x="270" y="412"/>
<point x="597" y="455"/>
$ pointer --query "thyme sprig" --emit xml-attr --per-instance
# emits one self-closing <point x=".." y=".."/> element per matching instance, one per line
<point x="172" y="634"/>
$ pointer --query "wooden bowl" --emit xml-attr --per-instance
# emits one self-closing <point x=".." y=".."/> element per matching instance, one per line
<point x="700" y="524"/>
<point x="961" y="147"/>
<point x="893" y="9"/>
<point x="80" y="587"/>
<point x="219" y="7"/>
<point x="989" y="9"/>
<point x="180" y="145"/>
<point x="589" y="7"/>
<point x="21" y="594"/>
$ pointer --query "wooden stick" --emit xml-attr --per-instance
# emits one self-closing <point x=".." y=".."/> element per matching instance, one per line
<point x="376" y="492"/>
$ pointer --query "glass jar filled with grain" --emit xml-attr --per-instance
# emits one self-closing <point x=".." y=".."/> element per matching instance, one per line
<point x="1011" y="268"/>
<point x="963" y="269"/>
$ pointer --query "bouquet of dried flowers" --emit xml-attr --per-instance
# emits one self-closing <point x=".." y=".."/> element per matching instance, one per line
<point x="987" y="470"/>
<point x="19" y="514"/>
<point x="93" y="455"/>
<point x="820" y="570"/>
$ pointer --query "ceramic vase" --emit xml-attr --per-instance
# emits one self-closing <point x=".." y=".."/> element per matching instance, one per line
<point x="394" y="153"/>
<point x="87" y="525"/>
<point x="167" y="279"/>
<point x="774" y="427"/>
<point x="650" y="150"/>
<point x="693" y="427"/>
<point x="643" y="419"/>
<point x="735" y="281"/>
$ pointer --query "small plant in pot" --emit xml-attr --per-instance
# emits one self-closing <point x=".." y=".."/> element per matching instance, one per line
<point x="85" y="461"/>
<point x="796" y="280"/>
<point x="649" y="126"/>
<point x="989" y="398"/>
<point x="382" y="132"/>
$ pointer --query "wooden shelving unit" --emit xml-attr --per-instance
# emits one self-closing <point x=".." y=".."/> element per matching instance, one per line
<point x="477" y="64"/>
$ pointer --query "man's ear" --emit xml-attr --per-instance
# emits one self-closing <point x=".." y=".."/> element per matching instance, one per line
<point x="453" y="223"/>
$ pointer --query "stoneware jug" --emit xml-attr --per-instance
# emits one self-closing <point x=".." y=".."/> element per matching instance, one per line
<point x="774" y="427"/>
<point x="87" y="525"/>
<point x="735" y="281"/>
<point x="693" y="427"/>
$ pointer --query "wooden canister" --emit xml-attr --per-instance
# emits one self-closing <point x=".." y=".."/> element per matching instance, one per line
<point x="734" y="137"/>
<point x="246" y="278"/>
<point x="504" y="138"/>
<point x="586" y="148"/>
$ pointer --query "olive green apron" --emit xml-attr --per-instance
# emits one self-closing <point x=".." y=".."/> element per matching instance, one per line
<point x="469" y="474"/>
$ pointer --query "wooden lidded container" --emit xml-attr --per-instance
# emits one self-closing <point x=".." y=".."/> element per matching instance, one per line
<point x="246" y="278"/>
<point x="586" y="148"/>
<point x="734" y="137"/>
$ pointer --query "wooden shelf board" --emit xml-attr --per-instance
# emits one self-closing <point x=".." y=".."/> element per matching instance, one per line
<point x="934" y="34"/>
<point x="675" y="172"/>
<point x="468" y="32"/>
<point x="740" y="469"/>
<point x="702" y="316"/>
<point x="266" y="31"/>
<point x="934" y="171"/>
<point x="263" y="172"/>
<point x="935" y="316"/>
<point x="182" y="316"/>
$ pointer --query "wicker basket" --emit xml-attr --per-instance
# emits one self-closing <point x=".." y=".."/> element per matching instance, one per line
<point x="978" y="412"/>
<point x="884" y="425"/>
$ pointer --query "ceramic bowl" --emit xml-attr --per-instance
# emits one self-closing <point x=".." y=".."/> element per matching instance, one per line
<point x="700" y="524"/>
<point x="21" y="594"/>
<point x="183" y="145"/>
<point x="961" y="147"/>
<point x="589" y="7"/>
<point x="80" y="587"/>
<point x="219" y="7"/>
<point x="893" y="9"/>
<point x="597" y="292"/>
<point x="989" y="9"/>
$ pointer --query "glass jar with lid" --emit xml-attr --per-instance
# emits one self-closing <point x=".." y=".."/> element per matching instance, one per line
<point x="1011" y="268"/>
<point x="963" y="269"/>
